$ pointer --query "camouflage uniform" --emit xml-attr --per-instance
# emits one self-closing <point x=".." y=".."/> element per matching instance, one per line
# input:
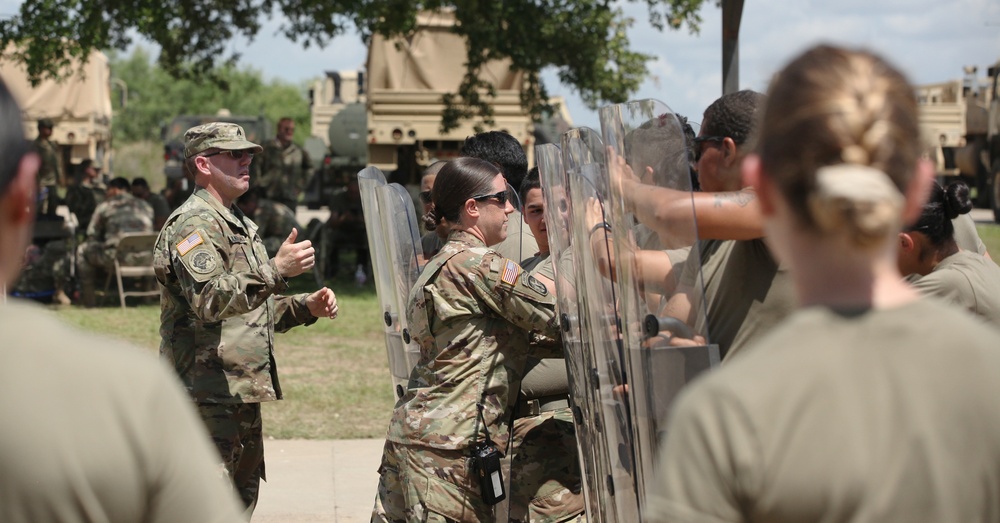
<point x="471" y="312"/>
<point x="219" y="310"/>
<point x="49" y="175"/>
<point x="274" y="222"/>
<point x="284" y="172"/>
<point x="46" y="269"/>
<point x="114" y="217"/>
<point x="545" y="471"/>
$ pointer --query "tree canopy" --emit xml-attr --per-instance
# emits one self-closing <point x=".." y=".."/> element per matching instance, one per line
<point x="585" y="40"/>
<point x="154" y="97"/>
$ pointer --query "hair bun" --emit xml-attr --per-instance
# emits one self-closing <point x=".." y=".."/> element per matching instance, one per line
<point x="956" y="200"/>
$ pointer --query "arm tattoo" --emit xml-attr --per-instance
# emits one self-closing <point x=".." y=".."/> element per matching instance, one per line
<point x="741" y="198"/>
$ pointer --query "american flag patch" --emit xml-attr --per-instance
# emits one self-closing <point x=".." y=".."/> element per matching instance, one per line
<point x="189" y="243"/>
<point x="510" y="273"/>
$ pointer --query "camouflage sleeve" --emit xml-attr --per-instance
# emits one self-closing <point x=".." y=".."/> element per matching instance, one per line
<point x="217" y="277"/>
<point x="521" y="299"/>
<point x="291" y="311"/>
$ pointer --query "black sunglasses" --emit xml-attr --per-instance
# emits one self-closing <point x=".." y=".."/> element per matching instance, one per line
<point x="702" y="139"/>
<point x="425" y="196"/>
<point x="500" y="197"/>
<point x="236" y="155"/>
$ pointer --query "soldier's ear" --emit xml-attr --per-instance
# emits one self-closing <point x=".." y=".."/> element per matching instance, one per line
<point x="472" y="208"/>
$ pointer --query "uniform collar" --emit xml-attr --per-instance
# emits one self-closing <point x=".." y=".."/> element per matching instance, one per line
<point x="232" y="215"/>
<point x="467" y="238"/>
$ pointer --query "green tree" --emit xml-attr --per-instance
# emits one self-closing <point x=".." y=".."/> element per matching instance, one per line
<point x="154" y="97"/>
<point x="584" y="39"/>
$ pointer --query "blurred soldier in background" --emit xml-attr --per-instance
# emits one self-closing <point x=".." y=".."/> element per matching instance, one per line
<point x="284" y="166"/>
<point x="86" y="194"/>
<point x="345" y="230"/>
<point x="432" y="241"/>
<point x="161" y="209"/>
<point x="121" y="213"/>
<point x="50" y="174"/>
<point x="274" y="220"/>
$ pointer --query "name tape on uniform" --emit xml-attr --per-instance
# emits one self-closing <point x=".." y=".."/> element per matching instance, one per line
<point x="192" y="241"/>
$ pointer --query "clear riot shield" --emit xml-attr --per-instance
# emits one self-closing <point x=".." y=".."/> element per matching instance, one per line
<point x="604" y="369"/>
<point x="394" y="242"/>
<point x="662" y="353"/>
<point x="583" y="401"/>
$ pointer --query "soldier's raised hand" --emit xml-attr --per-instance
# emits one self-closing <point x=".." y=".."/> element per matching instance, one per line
<point x="323" y="303"/>
<point x="293" y="258"/>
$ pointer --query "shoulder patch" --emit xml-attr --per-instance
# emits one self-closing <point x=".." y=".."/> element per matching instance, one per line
<point x="193" y="240"/>
<point x="535" y="285"/>
<point x="203" y="262"/>
<point x="511" y="271"/>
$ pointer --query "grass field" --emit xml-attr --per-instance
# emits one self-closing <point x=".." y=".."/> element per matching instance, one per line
<point x="333" y="374"/>
<point x="990" y="233"/>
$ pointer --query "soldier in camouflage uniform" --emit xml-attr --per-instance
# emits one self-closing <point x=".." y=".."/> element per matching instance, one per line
<point x="121" y="213"/>
<point x="472" y="312"/>
<point x="161" y="209"/>
<point x="50" y="175"/>
<point x="285" y="166"/>
<point x="220" y="301"/>
<point x="545" y="471"/>
<point x="274" y="220"/>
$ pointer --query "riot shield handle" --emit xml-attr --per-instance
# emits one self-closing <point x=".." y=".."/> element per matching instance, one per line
<point x="652" y="326"/>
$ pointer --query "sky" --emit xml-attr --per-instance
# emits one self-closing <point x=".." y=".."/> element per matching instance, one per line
<point x="929" y="40"/>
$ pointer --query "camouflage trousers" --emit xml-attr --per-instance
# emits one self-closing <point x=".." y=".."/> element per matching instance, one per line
<point x="426" y="485"/>
<point x="45" y="269"/>
<point x="235" y="429"/>
<point x="545" y="471"/>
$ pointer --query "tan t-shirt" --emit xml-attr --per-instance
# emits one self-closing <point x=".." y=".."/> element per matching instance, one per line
<point x="968" y="280"/>
<point x="95" y="431"/>
<point x="747" y="293"/>
<point x="884" y="415"/>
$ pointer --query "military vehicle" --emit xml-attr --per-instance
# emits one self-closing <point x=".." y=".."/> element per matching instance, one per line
<point x="960" y="124"/>
<point x="178" y="184"/>
<point x="79" y="105"/>
<point x="390" y="118"/>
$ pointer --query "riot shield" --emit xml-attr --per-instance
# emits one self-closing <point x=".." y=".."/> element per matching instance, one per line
<point x="391" y="225"/>
<point x="559" y="216"/>
<point x="645" y="140"/>
<point x="601" y="361"/>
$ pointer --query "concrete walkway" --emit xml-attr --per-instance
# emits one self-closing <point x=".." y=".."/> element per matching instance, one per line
<point x="319" y="481"/>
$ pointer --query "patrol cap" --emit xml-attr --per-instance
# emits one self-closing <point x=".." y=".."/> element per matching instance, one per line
<point x="219" y="135"/>
<point x="46" y="122"/>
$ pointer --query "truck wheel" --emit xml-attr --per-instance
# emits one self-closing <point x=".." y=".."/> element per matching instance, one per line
<point x="995" y="192"/>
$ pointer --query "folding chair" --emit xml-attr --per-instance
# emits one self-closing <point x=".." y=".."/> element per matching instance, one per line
<point x="134" y="243"/>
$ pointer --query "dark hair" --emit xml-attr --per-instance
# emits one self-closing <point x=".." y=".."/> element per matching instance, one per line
<point x="459" y="180"/>
<point x="944" y="205"/>
<point x="140" y="181"/>
<point x="660" y="144"/>
<point x="531" y="181"/>
<point x="13" y="145"/>
<point x="733" y="115"/>
<point x="119" y="183"/>
<point x="502" y="149"/>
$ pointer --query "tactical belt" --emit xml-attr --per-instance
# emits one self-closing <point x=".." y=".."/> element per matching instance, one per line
<point x="536" y="406"/>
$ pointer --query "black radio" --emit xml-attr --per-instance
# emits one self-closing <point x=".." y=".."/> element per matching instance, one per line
<point x="486" y="462"/>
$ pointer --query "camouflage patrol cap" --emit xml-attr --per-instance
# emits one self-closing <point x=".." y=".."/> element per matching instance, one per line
<point x="220" y="135"/>
<point x="46" y="122"/>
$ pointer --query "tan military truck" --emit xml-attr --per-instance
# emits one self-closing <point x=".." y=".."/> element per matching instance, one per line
<point x="401" y="94"/>
<point x="960" y="125"/>
<point x="79" y="105"/>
